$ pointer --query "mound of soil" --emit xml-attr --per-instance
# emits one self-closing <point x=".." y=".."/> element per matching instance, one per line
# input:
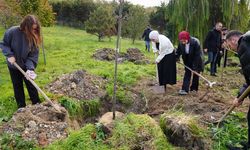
<point x="108" y="54"/>
<point x="79" y="85"/>
<point x="40" y="123"/>
<point x="133" y="54"/>
<point x="180" y="132"/>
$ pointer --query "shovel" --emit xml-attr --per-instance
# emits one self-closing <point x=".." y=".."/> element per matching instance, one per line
<point x="36" y="86"/>
<point x="240" y="99"/>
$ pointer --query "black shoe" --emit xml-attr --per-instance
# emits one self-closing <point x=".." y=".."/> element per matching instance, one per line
<point x="213" y="74"/>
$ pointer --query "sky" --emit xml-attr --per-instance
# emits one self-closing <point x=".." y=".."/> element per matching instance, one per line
<point x="146" y="3"/>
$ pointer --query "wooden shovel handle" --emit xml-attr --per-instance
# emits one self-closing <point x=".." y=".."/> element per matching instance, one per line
<point x="240" y="99"/>
<point x="36" y="86"/>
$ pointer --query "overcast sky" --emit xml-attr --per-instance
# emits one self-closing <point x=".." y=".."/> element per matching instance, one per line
<point x="146" y="3"/>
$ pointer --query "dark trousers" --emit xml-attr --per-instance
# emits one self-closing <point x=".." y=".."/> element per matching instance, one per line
<point x="225" y="59"/>
<point x="186" y="81"/>
<point x="212" y="60"/>
<point x="17" y="81"/>
<point x="248" y="122"/>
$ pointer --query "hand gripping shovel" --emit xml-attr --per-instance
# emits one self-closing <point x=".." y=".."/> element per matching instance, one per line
<point x="36" y="86"/>
<point x="240" y="99"/>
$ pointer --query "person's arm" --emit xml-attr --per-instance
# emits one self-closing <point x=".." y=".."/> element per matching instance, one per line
<point x="32" y="59"/>
<point x="197" y="57"/>
<point x="208" y="37"/>
<point x="154" y="47"/>
<point x="5" y="45"/>
<point x="178" y="52"/>
<point x="237" y="102"/>
<point x="164" y="47"/>
<point x="143" y="35"/>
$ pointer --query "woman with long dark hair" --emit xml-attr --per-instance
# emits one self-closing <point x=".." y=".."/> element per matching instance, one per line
<point x="21" y="45"/>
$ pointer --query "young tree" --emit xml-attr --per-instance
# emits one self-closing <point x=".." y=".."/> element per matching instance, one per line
<point x="100" y="21"/>
<point x="136" y="22"/>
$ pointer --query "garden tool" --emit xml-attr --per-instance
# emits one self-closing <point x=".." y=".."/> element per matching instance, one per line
<point x="240" y="99"/>
<point x="36" y="86"/>
<point x="209" y="83"/>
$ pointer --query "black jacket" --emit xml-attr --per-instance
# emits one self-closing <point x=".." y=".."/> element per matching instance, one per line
<point x="194" y="58"/>
<point x="213" y="41"/>
<point x="145" y="34"/>
<point x="244" y="56"/>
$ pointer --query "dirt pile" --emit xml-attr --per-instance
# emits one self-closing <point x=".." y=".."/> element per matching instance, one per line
<point x="79" y="85"/>
<point x="184" y="131"/>
<point x="133" y="54"/>
<point x="40" y="123"/>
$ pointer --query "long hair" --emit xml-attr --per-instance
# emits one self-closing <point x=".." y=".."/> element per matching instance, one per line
<point x="33" y="35"/>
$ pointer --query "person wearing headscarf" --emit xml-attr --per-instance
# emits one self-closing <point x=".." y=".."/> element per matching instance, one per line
<point x="189" y="48"/>
<point x="165" y="60"/>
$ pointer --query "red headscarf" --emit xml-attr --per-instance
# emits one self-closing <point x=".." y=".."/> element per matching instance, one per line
<point x="184" y="35"/>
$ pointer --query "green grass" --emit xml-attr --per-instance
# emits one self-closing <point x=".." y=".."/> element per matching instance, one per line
<point x="233" y="131"/>
<point x="67" y="50"/>
<point x="131" y="132"/>
<point x="82" y="139"/>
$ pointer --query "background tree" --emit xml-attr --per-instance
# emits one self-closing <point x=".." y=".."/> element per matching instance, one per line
<point x="41" y="8"/>
<point x="190" y="15"/>
<point x="136" y="22"/>
<point x="100" y="20"/>
<point x="73" y="13"/>
<point x="10" y="13"/>
<point x="158" y="19"/>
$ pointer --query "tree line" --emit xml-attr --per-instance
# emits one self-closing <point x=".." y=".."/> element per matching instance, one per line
<point x="100" y="18"/>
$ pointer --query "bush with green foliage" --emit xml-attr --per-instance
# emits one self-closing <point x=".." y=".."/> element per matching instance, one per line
<point x="13" y="11"/>
<point x="41" y="8"/>
<point x="10" y="13"/>
<point x="73" y="13"/>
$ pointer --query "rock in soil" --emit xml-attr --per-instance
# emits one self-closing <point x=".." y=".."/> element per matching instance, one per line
<point x="107" y="119"/>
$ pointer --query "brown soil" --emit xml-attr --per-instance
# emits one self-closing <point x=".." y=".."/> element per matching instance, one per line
<point x="79" y="85"/>
<point x="210" y="108"/>
<point x="133" y="54"/>
<point x="40" y="123"/>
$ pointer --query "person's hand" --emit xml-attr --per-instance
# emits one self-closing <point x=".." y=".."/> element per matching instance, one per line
<point x="236" y="102"/>
<point x="205" y="50"/>
<point x="31" y="74"/>
<point x="11" y="60"/>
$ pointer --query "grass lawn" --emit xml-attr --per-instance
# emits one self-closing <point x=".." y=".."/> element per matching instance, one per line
<point x="68" y="50"/>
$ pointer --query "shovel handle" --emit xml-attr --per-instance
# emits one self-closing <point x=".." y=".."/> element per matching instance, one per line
<point x="240" y="99"/>
<point x="36" y="86"/>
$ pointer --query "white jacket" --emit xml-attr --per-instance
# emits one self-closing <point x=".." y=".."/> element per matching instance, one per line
<point x="165" y="47"/>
